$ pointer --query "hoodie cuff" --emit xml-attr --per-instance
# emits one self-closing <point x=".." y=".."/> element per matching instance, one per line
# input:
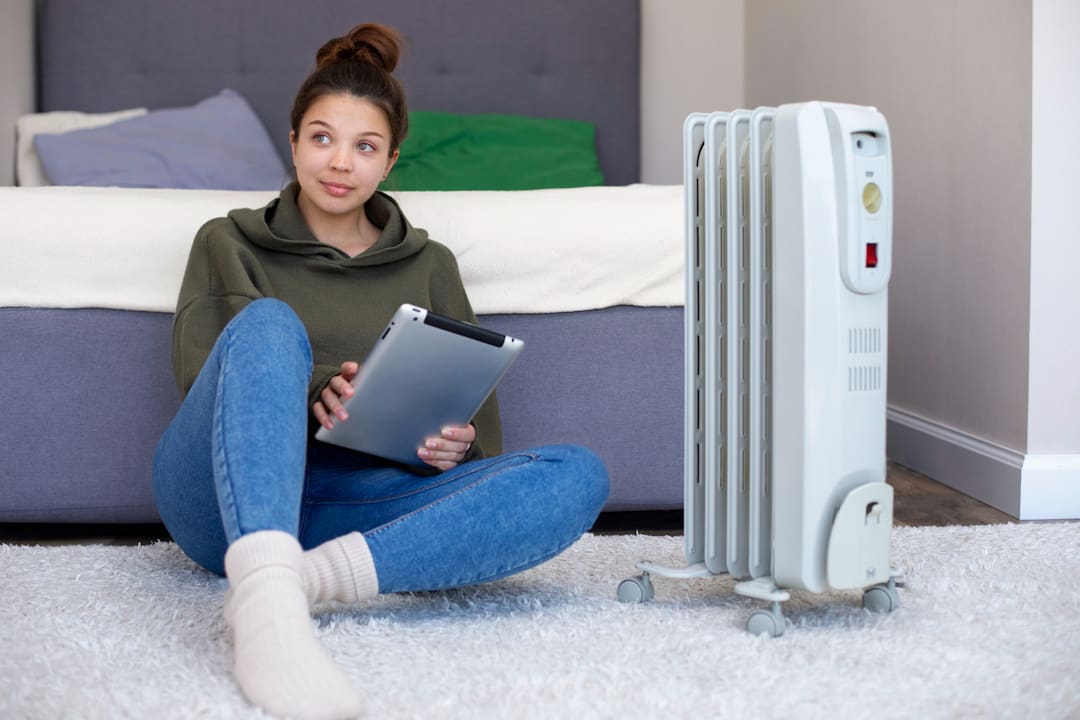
<point x="320" y="378"/>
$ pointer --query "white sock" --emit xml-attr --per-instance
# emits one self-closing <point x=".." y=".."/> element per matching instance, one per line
<point x="279" y="663"/>
<point x="340" y="569"/>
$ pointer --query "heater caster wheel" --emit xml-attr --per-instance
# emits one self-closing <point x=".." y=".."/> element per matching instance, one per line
<point x="769" y="622"/>
<point x="638" y="589"/>
<point x="881" y="598"/>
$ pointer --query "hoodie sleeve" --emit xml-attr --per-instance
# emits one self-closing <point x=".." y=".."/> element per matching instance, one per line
<point x="449" y="298"/>
<point x="208" y="301"/>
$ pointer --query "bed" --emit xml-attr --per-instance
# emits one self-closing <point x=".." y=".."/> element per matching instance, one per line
<point x="591" y="277"/>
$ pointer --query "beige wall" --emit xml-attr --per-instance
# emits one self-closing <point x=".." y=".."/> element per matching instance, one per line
<point x="691" y="61"/>
<point x="16" y="73"/>
<point x="953" y="78"/>
<point x="980" y="96"/>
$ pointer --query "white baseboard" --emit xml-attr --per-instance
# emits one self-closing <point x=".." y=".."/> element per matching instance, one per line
<point x="1028" y="487"/>
<point x="1051" y="487"/>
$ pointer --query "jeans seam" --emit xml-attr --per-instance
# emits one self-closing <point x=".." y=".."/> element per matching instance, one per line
<point x="523" y="565"/>
<point x="219" y="412"/>
<point x="305" y="515"/>
<point x="313" y="502"/>
<point x="418" y="511"/>
<point x="506" y="570"/>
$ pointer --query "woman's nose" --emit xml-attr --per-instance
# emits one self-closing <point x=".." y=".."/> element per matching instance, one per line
<point x="341" y="161"/>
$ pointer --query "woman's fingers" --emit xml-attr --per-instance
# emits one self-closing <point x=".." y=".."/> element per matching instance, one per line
<point x="332" y="402"/>
<point x="448" y="450"/>
<point x="460" y="433"/>
<point x="329" y="405"/>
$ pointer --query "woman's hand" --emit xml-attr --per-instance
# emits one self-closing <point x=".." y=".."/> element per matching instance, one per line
<point x="328" y="406"/>
<point x="447" y="450"/>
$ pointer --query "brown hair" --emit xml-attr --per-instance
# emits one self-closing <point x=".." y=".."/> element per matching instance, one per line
<point x="359" y="63"/>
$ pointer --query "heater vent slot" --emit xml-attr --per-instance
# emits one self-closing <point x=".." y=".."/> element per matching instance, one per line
<point x="865" y="378"/>
<point x="864" y="340"/>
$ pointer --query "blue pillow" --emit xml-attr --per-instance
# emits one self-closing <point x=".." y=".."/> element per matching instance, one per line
<point x="218" y="144"/>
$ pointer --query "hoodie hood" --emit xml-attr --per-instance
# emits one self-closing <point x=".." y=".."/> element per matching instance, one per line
<point x="280" y="227"/>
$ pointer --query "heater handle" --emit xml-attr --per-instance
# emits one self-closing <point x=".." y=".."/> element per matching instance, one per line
<point x="858" y="554"/>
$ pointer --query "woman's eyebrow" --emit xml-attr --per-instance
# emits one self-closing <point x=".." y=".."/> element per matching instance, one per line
<point x="366" y="133"/>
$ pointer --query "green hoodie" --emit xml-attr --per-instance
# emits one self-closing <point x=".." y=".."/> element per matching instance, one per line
<point x="344" y="302"/>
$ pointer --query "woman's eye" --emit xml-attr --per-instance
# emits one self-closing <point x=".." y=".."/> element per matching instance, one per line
<point x="365" y="147"/>
<point x="321" y="138"/>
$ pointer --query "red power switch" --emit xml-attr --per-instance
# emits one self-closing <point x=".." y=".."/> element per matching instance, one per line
<point x="871" y="255"/>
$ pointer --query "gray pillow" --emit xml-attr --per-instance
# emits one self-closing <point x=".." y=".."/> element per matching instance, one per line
<point x="218" y="144"/>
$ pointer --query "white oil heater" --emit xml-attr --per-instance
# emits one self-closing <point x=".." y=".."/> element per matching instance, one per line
<point x="788" y="254"/>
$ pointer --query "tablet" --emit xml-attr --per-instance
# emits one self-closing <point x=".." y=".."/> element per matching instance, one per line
<point x="425" y="372"/>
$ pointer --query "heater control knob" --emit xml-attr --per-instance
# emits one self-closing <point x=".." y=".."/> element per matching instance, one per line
<point x="871" y="197"/>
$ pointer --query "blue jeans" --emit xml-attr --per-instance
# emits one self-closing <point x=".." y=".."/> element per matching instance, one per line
<point x="237" y="459"/>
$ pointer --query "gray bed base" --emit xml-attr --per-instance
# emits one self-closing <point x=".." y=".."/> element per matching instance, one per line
<point x="86" y="394"/>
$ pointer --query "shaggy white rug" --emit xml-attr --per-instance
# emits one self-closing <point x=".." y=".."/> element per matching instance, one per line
<point x="988" y="626"/>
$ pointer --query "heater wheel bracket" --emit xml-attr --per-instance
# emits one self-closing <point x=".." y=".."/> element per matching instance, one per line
<point x="762" y="588"/>
<point x="639" y="589"/>
<point x="697" y="570"/>
<point x="770" y="622"/>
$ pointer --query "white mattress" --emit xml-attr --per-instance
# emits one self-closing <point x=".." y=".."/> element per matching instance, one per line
<point x="536" y="251"/>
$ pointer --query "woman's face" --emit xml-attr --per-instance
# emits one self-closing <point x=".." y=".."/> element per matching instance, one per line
<point x="341" y="152"/>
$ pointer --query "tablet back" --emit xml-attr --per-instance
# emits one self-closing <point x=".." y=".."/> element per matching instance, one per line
<point x="426" y="371"/>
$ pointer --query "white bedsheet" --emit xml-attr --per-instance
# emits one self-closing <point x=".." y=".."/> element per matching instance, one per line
<point x="536" y="251"/>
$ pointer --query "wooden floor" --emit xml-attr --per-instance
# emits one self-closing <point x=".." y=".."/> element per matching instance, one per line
<point x="918" y="500"/>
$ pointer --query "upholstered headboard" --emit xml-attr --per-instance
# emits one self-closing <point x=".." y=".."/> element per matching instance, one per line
<point x="554" y="59"/>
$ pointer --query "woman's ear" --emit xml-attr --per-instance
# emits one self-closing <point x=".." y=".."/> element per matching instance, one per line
<point x="390" y="163"/>
<point x="292" y="146"/>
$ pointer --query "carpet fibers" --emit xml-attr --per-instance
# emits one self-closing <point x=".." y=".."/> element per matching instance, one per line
<point x="988" y="627"/>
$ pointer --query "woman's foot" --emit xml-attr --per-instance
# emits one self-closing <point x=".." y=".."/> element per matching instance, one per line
<point x="340" y="569"/>
<point x="279" y="663"/>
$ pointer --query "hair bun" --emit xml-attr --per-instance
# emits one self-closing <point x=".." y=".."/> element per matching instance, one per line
<point x="370" y="43"/>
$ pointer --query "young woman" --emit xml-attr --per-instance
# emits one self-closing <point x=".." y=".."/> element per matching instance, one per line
<point x="277" y="307"/>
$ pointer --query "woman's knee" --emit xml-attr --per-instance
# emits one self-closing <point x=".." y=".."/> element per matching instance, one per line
<point x="584" y="474"/>
<point x="270" y="313"/>
<point x="271" y="323"/>
<point x="271" y="309"/>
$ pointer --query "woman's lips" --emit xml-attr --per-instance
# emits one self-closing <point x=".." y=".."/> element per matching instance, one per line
<point x="336" y="190"/>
